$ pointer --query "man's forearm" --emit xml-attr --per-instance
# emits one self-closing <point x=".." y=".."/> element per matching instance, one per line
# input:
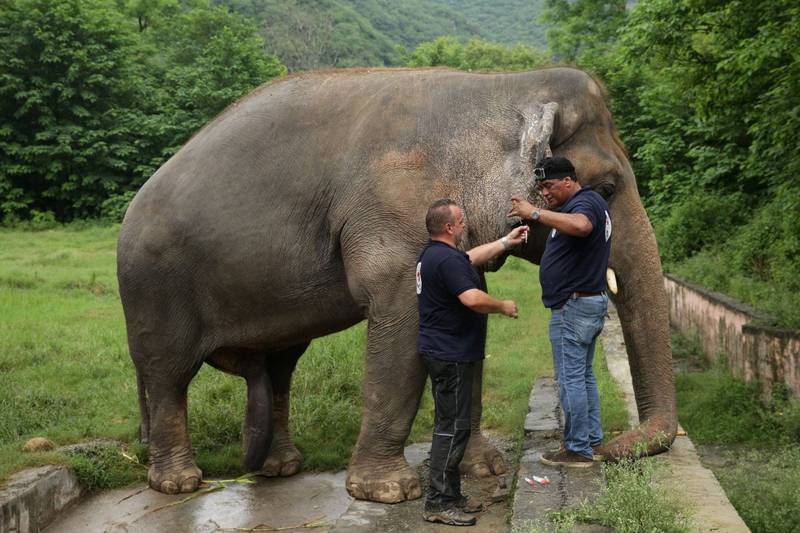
<point x="485" y="252"/>
<point x="575" y="224"/>
<point x="481" y="302"/>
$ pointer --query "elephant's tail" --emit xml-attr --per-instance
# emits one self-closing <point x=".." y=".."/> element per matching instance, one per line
<point x="257" y="431"/>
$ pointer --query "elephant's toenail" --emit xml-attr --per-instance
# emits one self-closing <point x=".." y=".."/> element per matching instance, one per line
<point x="190" y="484"/>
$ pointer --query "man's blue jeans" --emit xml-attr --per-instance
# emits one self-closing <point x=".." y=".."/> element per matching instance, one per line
<point x="573" y="332"/>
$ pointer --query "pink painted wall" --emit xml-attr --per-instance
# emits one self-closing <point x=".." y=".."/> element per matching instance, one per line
<point x="724" y="328"/>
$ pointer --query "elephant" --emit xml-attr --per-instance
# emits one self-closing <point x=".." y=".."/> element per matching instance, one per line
<point x="299" y="211"/>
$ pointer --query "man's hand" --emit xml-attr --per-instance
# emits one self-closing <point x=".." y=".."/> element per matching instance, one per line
<point x="517" y="235"/>
<point x="520" y="208"/>
<point x="510" y="308"/>
<point x="481" y="302"/>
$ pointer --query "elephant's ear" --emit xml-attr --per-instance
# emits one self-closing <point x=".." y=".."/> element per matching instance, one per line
<point x="534" y="143"/>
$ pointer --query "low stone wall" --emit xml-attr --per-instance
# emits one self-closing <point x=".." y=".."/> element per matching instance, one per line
<point x="725" y="326"/>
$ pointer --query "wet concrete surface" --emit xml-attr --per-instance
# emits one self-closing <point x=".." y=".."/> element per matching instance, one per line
<point x="568" y="487"/>
<point x="269" y="503"/>
<point x="286" y="504"/>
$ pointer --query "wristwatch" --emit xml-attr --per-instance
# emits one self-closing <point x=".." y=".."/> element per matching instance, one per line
<point x="535" y="215"/>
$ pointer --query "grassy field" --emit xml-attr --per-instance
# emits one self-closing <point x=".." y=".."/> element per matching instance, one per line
<point x="65" y="372"/>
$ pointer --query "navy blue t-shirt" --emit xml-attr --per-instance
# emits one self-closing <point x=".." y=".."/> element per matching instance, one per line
<point x="570" y="263"/>
<point x="448" y="329"/>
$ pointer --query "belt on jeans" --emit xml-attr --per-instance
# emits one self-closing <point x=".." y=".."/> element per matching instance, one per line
<point x="581" y="294"/>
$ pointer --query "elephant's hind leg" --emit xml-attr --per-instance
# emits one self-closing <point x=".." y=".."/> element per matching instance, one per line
<point x="284" y="459"/>
<point x="172" y="469"/>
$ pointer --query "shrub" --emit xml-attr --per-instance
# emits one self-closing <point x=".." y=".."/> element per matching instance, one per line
<point x="113" y="209"/>
<point x="699" y="222"/>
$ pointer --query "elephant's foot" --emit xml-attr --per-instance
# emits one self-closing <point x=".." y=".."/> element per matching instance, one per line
<point x="652" y="437"/>
<point x="283" y="460"/>
<point x="384" y="481"/>
<point x="174" y="479"/>
<point x="481" y="458"/>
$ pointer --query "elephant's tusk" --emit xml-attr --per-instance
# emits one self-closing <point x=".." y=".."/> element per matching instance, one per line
<point x="611" y="280"/>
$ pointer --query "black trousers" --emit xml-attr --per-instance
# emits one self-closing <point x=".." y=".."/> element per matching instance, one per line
<point x="451" y="385"/>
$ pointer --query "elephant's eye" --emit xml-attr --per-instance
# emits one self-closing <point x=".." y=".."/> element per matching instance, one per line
<point x="604" y="188"/>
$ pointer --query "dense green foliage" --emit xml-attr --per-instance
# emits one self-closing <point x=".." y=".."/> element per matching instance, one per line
<point x="94" y="97"/>
<point x="507" y="22"/>
<point x="475" y="55"/>
<point x="308" y="34"/>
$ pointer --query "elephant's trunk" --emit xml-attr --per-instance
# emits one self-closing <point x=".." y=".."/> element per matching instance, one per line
<point x="642" y="306"/>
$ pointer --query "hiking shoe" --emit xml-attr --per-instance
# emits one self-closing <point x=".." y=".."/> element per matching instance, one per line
<point x="469" y="505"/>
<point x="452" y="516"/>
<point x="598" y="453"/>
<point x="566" y="458"/>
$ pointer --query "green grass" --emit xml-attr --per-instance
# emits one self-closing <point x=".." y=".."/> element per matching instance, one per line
<point x="761" y="470"/>
<point x="65" y="372"/>
<point x="631" y="501"/>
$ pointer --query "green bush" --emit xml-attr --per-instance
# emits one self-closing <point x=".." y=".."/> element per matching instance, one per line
<point x="717" y="408"/>
<point x="108" y="465"/>
<point x="113" y="208"/>
<point x="700" y="221"/>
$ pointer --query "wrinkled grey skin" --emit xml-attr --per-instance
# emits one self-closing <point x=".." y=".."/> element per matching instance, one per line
<point x="299" y="211"/>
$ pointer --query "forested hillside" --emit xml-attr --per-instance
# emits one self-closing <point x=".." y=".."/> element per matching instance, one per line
<point x="505" y="21"/>
<point x="307" y="34"/>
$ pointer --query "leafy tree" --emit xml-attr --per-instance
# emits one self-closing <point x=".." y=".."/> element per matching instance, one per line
<point x="507" y="22"/>
<point x="198" y="62"/>
<point x="475" y="55"/>
<point x="63" y="88"/>
<point x="581" y="27"/>
<point x="94" y="96"/>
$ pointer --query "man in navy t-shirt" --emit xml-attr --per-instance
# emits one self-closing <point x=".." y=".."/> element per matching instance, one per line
<point x="453" y="305"/>
<point x="573" y="278"/>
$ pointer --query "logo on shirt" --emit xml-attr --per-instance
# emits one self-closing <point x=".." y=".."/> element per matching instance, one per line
<point x="553" y="233"/>
<point x="419" y="278"/>
<point x="608" y="226"/>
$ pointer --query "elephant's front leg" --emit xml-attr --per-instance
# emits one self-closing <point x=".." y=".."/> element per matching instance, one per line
<point x="393" y="383"/>
<point x="481" y="458"/>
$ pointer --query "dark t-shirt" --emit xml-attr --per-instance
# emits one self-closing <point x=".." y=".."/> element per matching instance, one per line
<point x="570" y="263"/>
<point x="448" y="329"/>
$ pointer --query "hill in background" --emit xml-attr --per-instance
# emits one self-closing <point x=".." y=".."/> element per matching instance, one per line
<point x="306" y="34"/>
<point x="506" y="22"/>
